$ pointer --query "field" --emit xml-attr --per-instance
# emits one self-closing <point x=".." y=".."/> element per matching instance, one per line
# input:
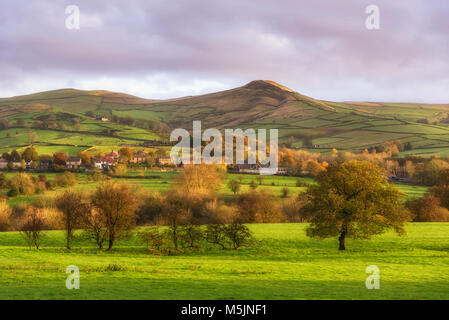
<point x="161" y="181"/>
<point x="284" y="264"/>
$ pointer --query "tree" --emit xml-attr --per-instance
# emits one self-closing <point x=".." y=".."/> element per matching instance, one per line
<point x="258" y="206"/>
<point x="441" y="190"/>
<point x="125" y="153"/>
<point x="199" y="179"/>
<point x="238" y="234"/>
<point x="30" y="154"/>
<point x="15" y="156"/>
<point x="177" y="214"/>
<point x="234" y="186"/>
<point x="85" y="157"/>
<point x="353" y="199"/>
<point x="60" y="158"/>
<point x="427" y="209"/>
<point x="116" y="205"/>
<point x="73" y="207"/>
<point x="33" y="227"/>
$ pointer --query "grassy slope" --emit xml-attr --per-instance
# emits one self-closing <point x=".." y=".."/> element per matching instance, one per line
<point x="260" y="104"/>
<point x="285" y="265"/>
<point x="63" y="105"/>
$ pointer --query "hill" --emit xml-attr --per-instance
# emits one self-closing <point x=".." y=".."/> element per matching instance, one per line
<point x="70" y="117"/>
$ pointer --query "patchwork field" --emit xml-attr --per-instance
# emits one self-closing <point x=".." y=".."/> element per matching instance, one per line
<point x="284" y="264"/>
<point x="302" y="121"/>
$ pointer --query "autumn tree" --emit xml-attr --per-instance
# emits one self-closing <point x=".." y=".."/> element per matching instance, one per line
<point x="125" y="154"/>
<point x="441" y="190"/>
<point x="353" y="199"/>
<point x="5" y="216"/>
<point x="73" y="207"/>
<point x="30" y="154"/>
<point x="60" y="158"/>
<point x="116" y="205"/>
<point x="427" y="209"/>
<point x="200" y="179"/>
<point x="259" y="206"/>
<point x="85" y="157"/>
<point x="176" y="214"/>
<point x="15" y="156"/>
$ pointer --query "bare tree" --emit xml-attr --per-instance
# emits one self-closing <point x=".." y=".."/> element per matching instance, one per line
<point x="33" y="227"/>
<point x="95" y="227"/>
<point x="73" y="207"/>
<point x="116" y="205"/>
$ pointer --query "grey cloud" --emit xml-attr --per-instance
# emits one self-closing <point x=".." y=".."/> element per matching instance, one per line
<point x="319" y="48"/>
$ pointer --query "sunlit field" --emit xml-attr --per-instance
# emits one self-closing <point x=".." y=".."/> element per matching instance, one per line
<point x="282" y="264"/>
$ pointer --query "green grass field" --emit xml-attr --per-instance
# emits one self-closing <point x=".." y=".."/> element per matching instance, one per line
<point x="284" y="264"/>
<point x="161" y="181"/>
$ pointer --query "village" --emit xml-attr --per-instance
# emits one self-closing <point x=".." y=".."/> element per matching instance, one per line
<point x="29" y="160"/>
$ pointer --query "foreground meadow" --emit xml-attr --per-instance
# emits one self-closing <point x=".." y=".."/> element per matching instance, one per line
<point x="283" y="264"/>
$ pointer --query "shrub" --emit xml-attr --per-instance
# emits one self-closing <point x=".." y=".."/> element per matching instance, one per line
<point x="154" y="239"/>
<point x="13" y="192"/>
<point x="66" y="179"/>
<point x="238" y="234"/>
<point x="151" y="209"/>
<point x="301" y="183"/>
<point x="259" y="207"/>
<point x="224" y="215"/>
<point x="52" y="219"/>
<point x="3" y="181"/>
<point x="216" y="234"/>
<point x="5" y="216"/>
<point x="285" y="192"/>
<point x="253" y="185"/>
<point x="190" y="236"/>
<point x="427" y="209"/>
<point x="234" y="186"/>
<point x="229" y="236"/>
<point x="291" y="210"/>
<point x="23" y="183"/>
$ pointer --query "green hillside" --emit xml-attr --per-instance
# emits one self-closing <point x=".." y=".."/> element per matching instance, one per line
<point x="69" y="119"/>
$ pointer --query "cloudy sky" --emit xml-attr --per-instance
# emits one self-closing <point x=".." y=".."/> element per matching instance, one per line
<point x="165" y="49"/>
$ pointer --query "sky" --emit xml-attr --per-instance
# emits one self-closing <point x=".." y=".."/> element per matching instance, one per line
<point x="164" y="49"/>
